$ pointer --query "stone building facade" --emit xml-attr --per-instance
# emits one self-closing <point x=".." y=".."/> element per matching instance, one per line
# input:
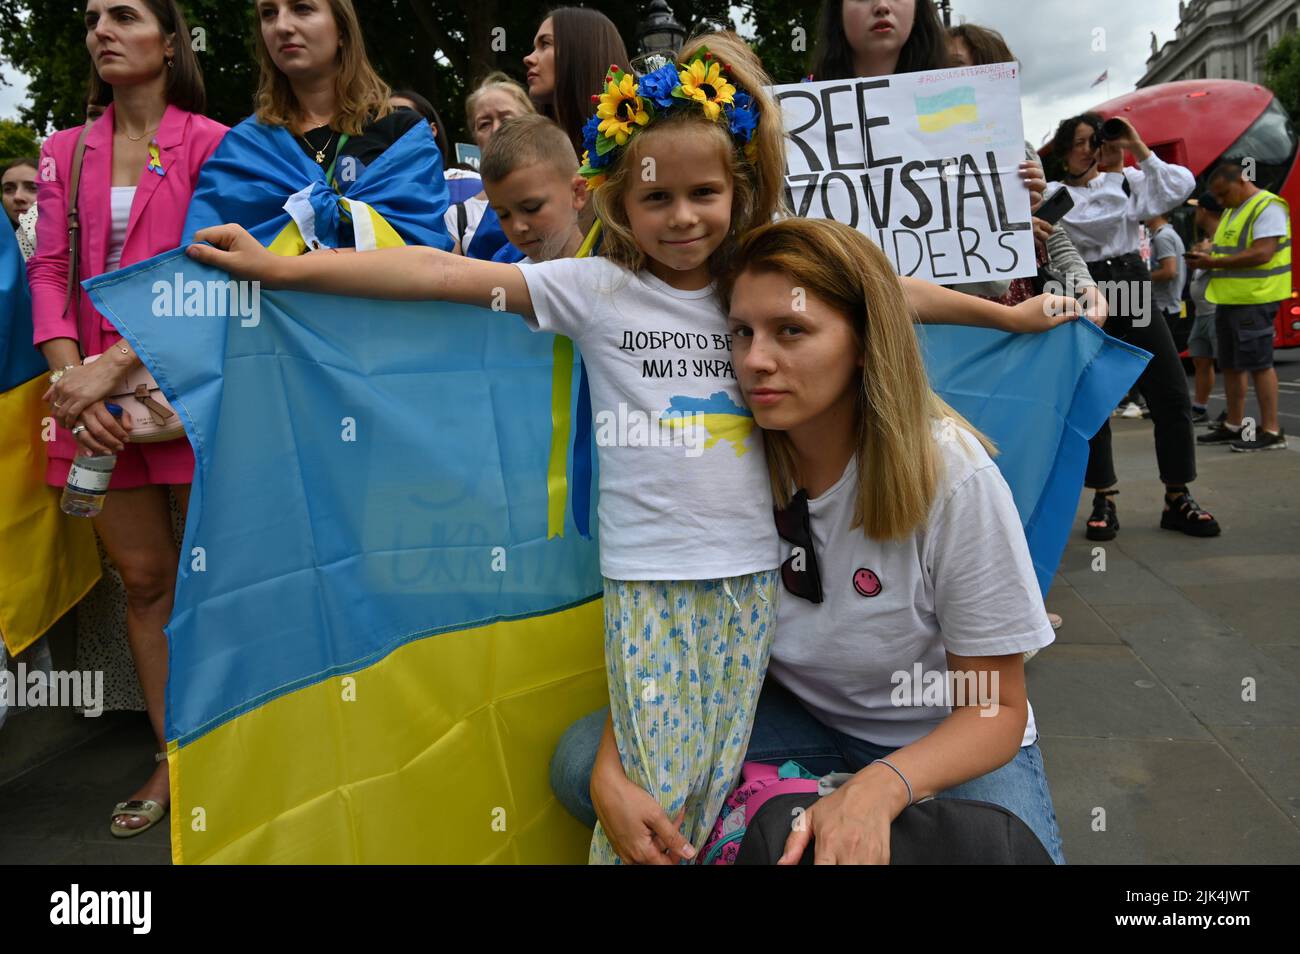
<point x="1221" y="39"/>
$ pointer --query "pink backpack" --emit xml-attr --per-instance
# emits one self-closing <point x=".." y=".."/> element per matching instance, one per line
<point x="758" y="783"/>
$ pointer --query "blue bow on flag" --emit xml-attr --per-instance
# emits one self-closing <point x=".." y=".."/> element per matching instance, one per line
<point x="261" y="179"/>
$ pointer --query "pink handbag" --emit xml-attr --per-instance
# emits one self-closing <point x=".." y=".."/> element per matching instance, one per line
<point x="758" y="784"/>
<point x="153" y="419"/>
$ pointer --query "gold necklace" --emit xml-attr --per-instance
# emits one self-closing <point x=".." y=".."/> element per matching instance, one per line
<point x="139" y="137"/>
<point x="320" y="153"/>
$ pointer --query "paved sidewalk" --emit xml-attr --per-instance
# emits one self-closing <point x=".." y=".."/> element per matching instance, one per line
<point x="59" y="812"/>
<point x="1139" y="702"/>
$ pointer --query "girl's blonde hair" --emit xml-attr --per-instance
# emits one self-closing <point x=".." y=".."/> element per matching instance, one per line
<point x="899" y="462"/>
<point x="500" y="82"/>
<point x="757" y="170"/>
<point x="360" y="96"/>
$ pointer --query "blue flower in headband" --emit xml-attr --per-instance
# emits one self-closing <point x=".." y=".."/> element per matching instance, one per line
<point x="589" y="134"/>
<point x="658" y="86"/>
<point x="741" y="117"/>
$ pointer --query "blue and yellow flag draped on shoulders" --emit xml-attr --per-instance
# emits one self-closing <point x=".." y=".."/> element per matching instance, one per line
<point x="383" y="622"/>
<point x="48" y="561"/>
<point x="260" y="178"/>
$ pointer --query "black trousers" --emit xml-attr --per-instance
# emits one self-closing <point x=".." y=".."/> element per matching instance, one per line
<point x="1163" y="384"/>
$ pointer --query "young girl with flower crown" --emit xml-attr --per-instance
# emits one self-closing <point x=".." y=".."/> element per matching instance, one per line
<point x="682" y="163"/>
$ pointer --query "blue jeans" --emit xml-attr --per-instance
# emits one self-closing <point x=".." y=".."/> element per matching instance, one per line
<point x="784" y="729"/>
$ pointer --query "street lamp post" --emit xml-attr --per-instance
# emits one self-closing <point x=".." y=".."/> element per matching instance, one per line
<point x="945" y="7"/>
<point x="660" y="32"/>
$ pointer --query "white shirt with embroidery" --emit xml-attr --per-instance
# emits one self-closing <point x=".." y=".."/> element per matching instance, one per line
<point x="1104" y="220"/>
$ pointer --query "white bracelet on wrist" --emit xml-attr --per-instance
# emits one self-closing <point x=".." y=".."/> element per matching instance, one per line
<point x="910" y="797"/>
<point x="60" y="372"/>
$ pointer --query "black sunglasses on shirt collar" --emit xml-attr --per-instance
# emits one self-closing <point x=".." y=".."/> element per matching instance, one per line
<point x="799" y="573"/>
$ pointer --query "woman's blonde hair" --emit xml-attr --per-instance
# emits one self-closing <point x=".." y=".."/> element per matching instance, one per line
<point x="757" y="171"/>
<point x="899" y="463"/>
<point x="499" y="82"/>
<point x="360" y="96"/>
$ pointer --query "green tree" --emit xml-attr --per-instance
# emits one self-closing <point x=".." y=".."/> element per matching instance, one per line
<point x="17" y="140"/>
<point x="783" y="36"/>
<point x="1282" y="69"/>
<point x="437" y="47"/>
<point x="474" y="37"/>
<point x="46" y="40"/>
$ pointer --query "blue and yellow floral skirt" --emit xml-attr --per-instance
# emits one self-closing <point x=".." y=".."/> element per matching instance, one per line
<point x="685" y="661"/>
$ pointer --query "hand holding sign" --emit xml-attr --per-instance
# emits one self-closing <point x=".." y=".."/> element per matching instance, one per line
<point x="1031" y="171"/>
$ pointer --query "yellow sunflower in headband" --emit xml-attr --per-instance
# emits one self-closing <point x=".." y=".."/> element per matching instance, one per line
<point x="620" y="109"/>
<point x="703" y="82"/>
<point x="629" y="104"/>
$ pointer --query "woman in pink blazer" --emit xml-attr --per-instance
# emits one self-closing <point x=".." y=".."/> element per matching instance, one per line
<point x="142" y="158"/>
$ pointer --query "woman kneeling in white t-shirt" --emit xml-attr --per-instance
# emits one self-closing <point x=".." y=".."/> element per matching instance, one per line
<point x="906" y="561"/>
<point x="907" y="558"/>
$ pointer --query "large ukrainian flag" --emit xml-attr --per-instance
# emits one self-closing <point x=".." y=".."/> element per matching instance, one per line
<point x="376" y="643"/>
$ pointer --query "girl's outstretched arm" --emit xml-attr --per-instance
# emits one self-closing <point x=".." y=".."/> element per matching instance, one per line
<point x="409" y="273"/>
<point x="937" y="305"/>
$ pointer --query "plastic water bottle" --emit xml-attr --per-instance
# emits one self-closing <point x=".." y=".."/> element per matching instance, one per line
<point x="87" y="486"/>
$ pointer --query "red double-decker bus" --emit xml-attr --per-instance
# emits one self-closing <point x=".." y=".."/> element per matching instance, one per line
<point x="1195" y="123"/>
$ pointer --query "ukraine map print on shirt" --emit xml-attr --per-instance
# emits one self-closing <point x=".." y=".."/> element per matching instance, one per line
<point x="722" y="418"/>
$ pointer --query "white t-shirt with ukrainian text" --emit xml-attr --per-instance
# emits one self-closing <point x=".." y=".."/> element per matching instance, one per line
<point x="869" y="660"/>
<point x="684" y="491"/>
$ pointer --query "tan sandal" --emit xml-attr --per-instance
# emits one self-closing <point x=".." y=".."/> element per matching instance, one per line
<point x="146" y="808"/>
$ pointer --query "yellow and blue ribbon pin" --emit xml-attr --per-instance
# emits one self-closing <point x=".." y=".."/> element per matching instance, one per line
<point x="155" y="160"/>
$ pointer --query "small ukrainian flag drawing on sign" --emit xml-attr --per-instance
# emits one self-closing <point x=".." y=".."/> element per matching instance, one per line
<point x="943" y="110"/>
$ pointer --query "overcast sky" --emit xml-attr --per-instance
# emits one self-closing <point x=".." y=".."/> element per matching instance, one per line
<point x="1053" y="40"/>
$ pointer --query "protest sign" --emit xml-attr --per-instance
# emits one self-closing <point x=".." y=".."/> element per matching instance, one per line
<point x="926" y="164"/>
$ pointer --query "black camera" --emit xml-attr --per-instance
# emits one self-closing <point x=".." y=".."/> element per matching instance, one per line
<point x="1109" y="131"/>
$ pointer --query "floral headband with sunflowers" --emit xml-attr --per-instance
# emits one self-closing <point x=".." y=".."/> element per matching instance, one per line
<point x="628" y="105"/>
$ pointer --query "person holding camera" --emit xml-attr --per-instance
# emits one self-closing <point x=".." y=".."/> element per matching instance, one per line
<point x="1110" y="202"/>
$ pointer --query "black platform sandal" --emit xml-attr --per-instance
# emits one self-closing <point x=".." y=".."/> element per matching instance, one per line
<point x="1184" y="515"/>
<point x="1103" y="509"/>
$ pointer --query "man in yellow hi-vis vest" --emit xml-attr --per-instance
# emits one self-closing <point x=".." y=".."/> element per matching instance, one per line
<point x="1250" y="263"/>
